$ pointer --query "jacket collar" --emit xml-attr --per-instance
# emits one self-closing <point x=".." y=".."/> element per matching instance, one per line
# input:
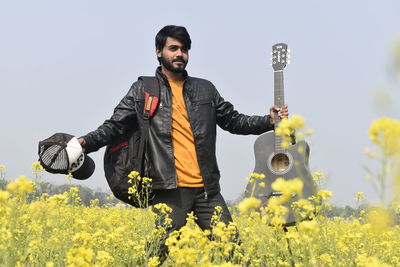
<point x="164" y="78"/>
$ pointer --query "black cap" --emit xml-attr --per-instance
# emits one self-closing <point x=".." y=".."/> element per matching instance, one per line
<point x="62" y="153"/>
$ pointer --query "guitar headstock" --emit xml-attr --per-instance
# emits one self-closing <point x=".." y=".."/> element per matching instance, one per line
<point x="280" y="56"/>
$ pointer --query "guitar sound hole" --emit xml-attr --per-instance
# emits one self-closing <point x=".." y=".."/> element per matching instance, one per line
<point x="280" y="162"/>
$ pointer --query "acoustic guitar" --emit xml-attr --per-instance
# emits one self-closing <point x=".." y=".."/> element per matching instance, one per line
<point x="272" y="160"/>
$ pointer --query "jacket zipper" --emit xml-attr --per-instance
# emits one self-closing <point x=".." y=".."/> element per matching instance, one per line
<point x="170" y="124"/>
<point x="194" y="138"/>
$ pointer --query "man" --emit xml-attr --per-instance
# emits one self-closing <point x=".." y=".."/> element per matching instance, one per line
<point x="182" y="136"/>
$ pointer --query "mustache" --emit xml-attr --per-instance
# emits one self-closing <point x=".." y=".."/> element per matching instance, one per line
<point x="178" y="59"/>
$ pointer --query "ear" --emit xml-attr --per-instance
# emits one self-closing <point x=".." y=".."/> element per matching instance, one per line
<point x="158" y="52"/>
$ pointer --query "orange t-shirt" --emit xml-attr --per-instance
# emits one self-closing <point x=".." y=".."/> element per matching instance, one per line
<point x="186" y="164"/>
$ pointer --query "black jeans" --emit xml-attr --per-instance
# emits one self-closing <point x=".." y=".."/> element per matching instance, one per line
<point x="184" y="200"/>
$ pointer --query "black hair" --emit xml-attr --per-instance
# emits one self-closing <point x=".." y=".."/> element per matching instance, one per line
<point x="178" y="32"/>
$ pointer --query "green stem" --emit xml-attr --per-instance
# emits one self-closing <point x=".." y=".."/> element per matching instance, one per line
<point x="382" y="179"/>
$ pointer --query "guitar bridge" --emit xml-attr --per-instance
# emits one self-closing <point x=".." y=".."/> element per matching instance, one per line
<point x="279" y="194"/>
<point x="275" y="194"/>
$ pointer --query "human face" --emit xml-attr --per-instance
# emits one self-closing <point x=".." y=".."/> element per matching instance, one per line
<point x="173" y="56"/>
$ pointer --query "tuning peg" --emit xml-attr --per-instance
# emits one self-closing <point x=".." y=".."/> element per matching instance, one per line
<point x="288" y="50"/>
<point x="288" y="62"/>
<point x="288" y="56"/>
<point x="270" y="53"/>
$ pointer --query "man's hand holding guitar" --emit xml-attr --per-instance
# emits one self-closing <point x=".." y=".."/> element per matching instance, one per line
<point x="282" y="112"/>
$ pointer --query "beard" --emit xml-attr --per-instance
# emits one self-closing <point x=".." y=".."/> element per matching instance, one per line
<point x="169" y="66"/>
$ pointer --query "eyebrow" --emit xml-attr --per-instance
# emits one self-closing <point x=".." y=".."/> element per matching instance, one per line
<point x="177" y="46"/>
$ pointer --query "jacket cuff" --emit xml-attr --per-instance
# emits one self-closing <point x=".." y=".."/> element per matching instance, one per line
<point x="271" y="126"/>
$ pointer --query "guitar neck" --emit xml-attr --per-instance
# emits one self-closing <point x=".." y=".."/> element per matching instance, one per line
<point x="279" y="101"/>
<point x="279" y="98"/>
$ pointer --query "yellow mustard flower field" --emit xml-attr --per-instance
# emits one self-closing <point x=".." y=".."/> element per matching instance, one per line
<point x="59" y="230"/>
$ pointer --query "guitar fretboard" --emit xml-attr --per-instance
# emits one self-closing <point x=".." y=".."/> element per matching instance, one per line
<point x="278" y="101"/>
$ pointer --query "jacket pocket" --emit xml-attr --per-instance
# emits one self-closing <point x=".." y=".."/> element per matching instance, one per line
<point x="204" y="107"/>
<point x="203" y="102"/>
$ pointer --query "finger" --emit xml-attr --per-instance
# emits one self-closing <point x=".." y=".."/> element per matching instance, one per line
<point x="273" y="108"/>
<point x="283" y="114"/>
<point x="284" y="111"/>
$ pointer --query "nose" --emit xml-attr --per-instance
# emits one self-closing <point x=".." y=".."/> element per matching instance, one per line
<point x="179" y="52"/>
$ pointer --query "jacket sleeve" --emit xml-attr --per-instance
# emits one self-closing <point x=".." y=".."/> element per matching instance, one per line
<point x="231" y="120"/>
<point x="120" y="121"/>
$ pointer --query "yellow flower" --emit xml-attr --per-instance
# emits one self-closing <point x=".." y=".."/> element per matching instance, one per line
<point x="284" y="127"/>
<point x="286" y="188"/>
<point x="274" y="214"/>
<point x="287" y="126"/>
<point x="218" y="209"/>
<point x="309" y="227"/>
<point x="319" y="176"/>
<point x="385" y="132"/>
<point x="21" y="186"/>
<point x="303" y="208"/>
<point x="133" y="174"/>
<point x="226" y="264"/>
<point x="58" y="199"/>
<point x="359" y="196"/>
<point x="163" y="208"/>
<point x="292" y="126"/>
<point x="37" y="167"/>
<point x="74" y="190"/>
<point x="80" y="257"/>
<point x="103" y="258"/>
<point x="375" y="262"/>
<point x="326" y="258"/>
<point x="250" y="180"/>
<point x="285" y="144"/>
<point x="153" y="262"/>
<point x="4" y="195"/>
<point x="380" y="219"/>
<point x="248" y="204"/>
<point x="324" y="194"/>
<point x="296" y="122"/>
<point x="369" y="153"/>
<point x="132" y="190"/>
<point x="146" y="181"/>
<point x="258" y="176"/>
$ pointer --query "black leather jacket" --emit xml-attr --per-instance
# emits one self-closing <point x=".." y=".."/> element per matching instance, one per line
<point x="206" y="109"/>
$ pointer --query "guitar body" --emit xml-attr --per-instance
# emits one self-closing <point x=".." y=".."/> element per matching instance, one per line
<point x="275" y="162"/>
<point x="288" y="164"/>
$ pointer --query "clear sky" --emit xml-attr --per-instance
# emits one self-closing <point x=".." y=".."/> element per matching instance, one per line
<point x="64" y="66"/>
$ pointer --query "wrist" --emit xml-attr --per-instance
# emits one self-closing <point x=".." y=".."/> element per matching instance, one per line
<point x="271" y="120"/>
<point x="82" y="142"/>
